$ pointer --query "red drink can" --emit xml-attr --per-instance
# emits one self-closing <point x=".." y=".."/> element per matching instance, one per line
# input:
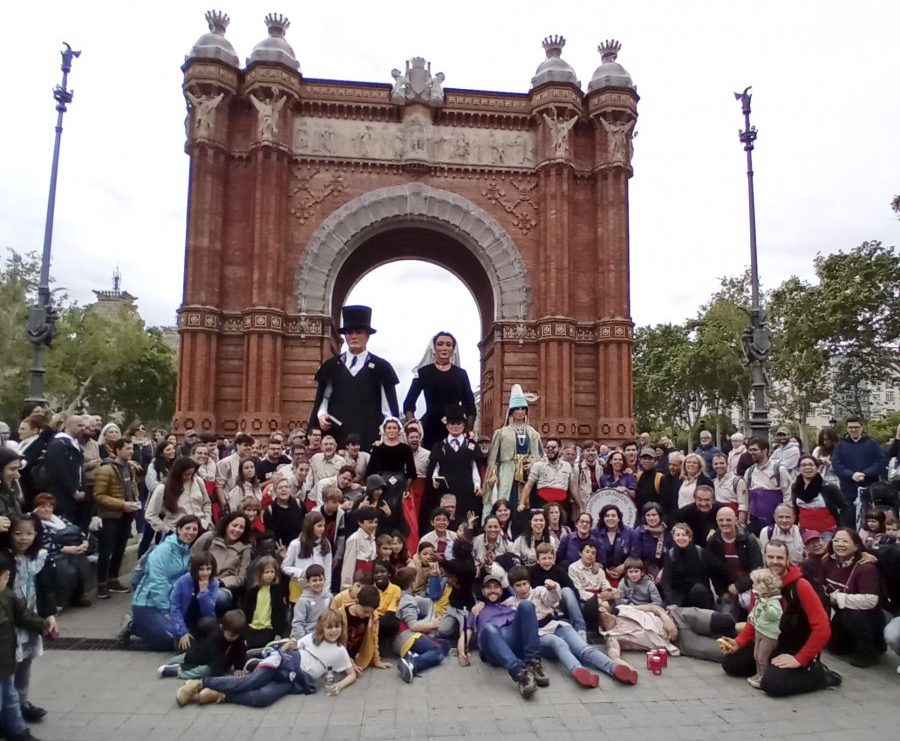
<point x="664" y="656"/>
<point x="650" y="655"/>
<point x="656" y="665"/>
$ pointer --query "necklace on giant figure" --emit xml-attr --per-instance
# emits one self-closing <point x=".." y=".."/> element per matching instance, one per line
<point x="521" y="433"/>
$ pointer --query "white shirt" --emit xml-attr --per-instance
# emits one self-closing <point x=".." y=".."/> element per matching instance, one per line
<point x="317" y="660"/>
<point x="347" y="360"/>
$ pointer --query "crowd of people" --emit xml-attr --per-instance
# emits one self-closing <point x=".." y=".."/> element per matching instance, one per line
<point x="270" y="566"/>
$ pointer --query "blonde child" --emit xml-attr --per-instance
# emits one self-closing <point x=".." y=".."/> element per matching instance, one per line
<point x="765" y="617"/>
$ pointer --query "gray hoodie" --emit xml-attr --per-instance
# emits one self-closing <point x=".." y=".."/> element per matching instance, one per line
<point x="307" y="611"/>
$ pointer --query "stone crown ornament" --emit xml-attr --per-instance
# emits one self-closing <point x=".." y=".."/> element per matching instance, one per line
<point x="554" y="69"/>
<point x="417" y="85"/>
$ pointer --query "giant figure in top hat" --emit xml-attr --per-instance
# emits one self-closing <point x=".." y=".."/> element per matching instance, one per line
<point x="356" y="389"/>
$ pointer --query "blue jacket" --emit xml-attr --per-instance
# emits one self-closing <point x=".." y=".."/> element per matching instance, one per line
<point x="615" y="553"/>
<point x="165" y="564"/>
<point x="569" y="550"/>
<point x="180" y="602"/>
<point x="849" y="457"/>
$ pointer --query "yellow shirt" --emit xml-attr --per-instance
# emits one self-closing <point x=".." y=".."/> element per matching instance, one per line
<point x="390" y="599"/>
<point x="262" y="615"/>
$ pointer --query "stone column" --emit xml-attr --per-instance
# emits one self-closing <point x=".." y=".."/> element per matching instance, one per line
<point x="613" y="113"/>
<point x="209" y="89"/>
<point x="271" y="95"/>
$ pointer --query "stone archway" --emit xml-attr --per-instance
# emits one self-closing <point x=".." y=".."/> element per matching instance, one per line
<point x="412" y="205"/>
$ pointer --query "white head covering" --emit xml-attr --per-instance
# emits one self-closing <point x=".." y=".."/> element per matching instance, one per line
<point x="399" y="424"/>
<point x="428" y="357"/>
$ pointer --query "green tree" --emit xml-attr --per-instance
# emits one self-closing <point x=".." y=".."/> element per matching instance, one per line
<point x="111" y="365"/>
<point x="799" y="363"/>
<point x="661" y="397"/>
<point x="859" y="306"/>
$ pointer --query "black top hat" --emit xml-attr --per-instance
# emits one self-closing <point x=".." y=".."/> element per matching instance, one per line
<point x="454" y="413"/>
<point x="356" y="317"/>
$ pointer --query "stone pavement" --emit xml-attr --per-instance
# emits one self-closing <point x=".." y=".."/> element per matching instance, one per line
<point x="101" y="695"/>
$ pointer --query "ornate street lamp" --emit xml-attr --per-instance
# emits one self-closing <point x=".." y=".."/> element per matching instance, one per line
<point x="757" y="340"/>
<point x="41" y="326"/>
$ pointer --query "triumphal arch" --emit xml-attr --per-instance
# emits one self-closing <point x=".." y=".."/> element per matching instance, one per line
<point x="300" y="186"/>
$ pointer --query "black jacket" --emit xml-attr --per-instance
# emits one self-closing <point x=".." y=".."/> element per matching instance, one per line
<point x="217" y="653"/>
<point x="749" y="556"/>
<point x="62" y="471"/>
<point x="14" y="614"/>
<point x="279" y="607"/>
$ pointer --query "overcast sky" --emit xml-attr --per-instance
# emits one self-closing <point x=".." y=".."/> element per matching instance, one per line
<point x="825" y="83"/>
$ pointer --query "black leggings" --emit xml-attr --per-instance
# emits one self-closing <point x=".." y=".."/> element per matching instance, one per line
<point x="776" y="682"/>
<point x="698" y="595"/>
<point x="858" y="633"/>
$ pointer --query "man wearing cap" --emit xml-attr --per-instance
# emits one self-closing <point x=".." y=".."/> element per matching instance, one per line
<point x="452" y="468"/>
<point x="508" y="636"/>
<point x="554" y="480"/>
<point x="191" y="438"/>
<point x="786" y="452"/>
<point x="356" y="389"/>
<point x="649" y="482"/>
<point x="513" y="449"/>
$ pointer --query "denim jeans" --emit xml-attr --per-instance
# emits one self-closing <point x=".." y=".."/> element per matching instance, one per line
<point x="569" y="604"/>
<point x="22" y="678"/>
<point x="573" y="652"/>
<point x="427" y="652"/>
<point x="258" y="689"/>
<point x="11" y="721"/>
<point x="151" y="626"/>
<point x="513" y="644"/>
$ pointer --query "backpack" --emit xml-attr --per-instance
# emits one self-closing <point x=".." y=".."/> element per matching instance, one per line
<point x="748" y="474"/>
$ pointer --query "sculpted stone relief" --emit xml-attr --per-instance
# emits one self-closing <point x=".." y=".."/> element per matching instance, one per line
<point x="413" y="139"/>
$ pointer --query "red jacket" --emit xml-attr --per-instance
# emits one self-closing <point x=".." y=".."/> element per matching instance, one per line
<point x="820" y="627"/>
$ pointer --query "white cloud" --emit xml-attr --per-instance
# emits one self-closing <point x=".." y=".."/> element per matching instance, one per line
<point x="824" y="100"/>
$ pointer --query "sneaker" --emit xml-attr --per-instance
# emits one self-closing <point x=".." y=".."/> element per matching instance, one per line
<point x="168" y="671"/>
<point x="125" y="629"/>
<point x="251" y="664"/>
<point x="585" y="678"/>
<point x="755" y="681"/>
<point x="32" y="713"/>
<point x="527" y="686"/>
<point x="537" y="669"/>
<point x="406" y="669"/>
<point x="625" y="674"/>
<point x="102" y="591"/>
<point x="116" y="588"/>
<point x="188" y="692"/>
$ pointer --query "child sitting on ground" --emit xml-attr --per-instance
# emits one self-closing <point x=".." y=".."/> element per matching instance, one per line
<point x="638" y="587"/>
<point x="417" y="649"/>
<point x="765" y="617"/>
<point x="265" y="603"/>
<point x="221" y="651"/>
<point x="390" y="598"/>
<point x="348" y="596"/>
<point x="313" y="603"/>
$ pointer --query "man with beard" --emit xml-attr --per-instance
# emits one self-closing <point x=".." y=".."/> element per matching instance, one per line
<point x="700" y="514"/>
<point x="63" y="474"/>
<point x="553" y="478"/>
<point x="274" y="458"/>
<point x="508" y="637"/>
<point x="588" y="474"/>
<point x="795" y="667"/>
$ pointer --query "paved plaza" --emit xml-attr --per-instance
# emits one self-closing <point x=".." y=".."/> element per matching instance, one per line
<point x="100" y="695"/>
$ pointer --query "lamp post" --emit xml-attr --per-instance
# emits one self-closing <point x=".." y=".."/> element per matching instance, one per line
<point x="41" y="326"/>
<point x="757" y="340"/>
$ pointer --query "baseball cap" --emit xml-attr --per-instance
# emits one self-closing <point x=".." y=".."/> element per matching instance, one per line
<point x="490" y="578"/>
<point x="810" y="535"/>
<point x="783" y="431"/>
<point x="649" y="452"/>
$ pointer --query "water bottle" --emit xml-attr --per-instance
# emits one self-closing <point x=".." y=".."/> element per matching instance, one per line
<point x="329" y="675"/>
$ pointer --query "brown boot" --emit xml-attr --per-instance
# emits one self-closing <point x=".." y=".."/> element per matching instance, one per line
<point x="188" y="692"/>
<point x="537" y="670"/>
<point x="210" y="697"/>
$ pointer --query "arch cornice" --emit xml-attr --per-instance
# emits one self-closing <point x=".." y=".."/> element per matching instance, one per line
<point x="412" y="205"/>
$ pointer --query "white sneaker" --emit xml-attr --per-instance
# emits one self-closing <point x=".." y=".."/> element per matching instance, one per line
<point x="406" y="670"/>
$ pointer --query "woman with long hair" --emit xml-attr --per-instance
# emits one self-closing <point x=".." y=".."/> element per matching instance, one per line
<point x="617" y="477"/>
<point x="556" y="520"/>
<point x="824" y="450"/>
<point x="444" y="383"/>
<point x="310" y="547"/>
<point x="246" y="485"/>
<point x="229" y="544"/>
<point x="614" y="542"/>
<point x="652" y="538"/>
<point x="503" y="512"/>
<point x="525" y="546"/>
<point x="181" y="494"/>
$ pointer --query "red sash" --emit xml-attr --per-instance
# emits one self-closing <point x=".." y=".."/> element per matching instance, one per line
<point x="549" y="494"/>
